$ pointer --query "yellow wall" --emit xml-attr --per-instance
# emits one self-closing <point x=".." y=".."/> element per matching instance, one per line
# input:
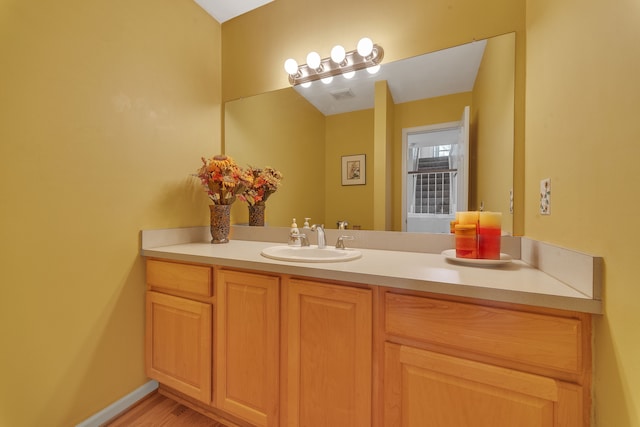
<point x="492" y="118"/>
<point x="106" y="108"/>
<point x="583" y="132"/>
<point x="348" y="134"/>
<point x="282" y="130"/>
<point x="384" y="116"/>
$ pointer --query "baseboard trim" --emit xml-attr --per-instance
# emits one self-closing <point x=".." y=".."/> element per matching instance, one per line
<point x="119" y="406"/>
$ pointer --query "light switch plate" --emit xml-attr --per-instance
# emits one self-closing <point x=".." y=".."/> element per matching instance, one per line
<point x="545" y="197"/>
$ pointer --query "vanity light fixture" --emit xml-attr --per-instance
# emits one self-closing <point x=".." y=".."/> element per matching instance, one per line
<point x="366" y="55"/>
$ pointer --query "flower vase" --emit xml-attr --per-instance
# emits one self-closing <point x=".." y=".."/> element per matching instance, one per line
<point x="256" y="215"/>
<point x="220" y="223"/>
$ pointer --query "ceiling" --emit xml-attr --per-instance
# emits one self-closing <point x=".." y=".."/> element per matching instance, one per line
<point x="223" y="10"/>
<point x="430" y="75"/>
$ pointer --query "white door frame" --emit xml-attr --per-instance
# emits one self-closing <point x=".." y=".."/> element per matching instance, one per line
<point x="424" y="129"/>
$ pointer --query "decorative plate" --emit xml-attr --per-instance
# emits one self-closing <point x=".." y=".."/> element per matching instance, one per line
<point x="450" y="254"/>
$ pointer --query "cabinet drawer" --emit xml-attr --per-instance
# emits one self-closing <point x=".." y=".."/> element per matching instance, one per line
<point x="535" y="339"/>
<point x="194" y="279"/>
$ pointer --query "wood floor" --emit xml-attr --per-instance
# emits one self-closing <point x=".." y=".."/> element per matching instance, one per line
<point x="157" y="410"/>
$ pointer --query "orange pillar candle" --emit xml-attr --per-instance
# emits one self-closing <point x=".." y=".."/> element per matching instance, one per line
<point x="466" y="241"/>
<point x="453" y="223"/>
<point x="466" y="231"/>
<point x="470" y="217"/>
<point x="489" y="231"/>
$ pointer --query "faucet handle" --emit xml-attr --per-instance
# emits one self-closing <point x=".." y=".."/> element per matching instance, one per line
<point x="340" y="242"/>
<point x="301" y="237"/>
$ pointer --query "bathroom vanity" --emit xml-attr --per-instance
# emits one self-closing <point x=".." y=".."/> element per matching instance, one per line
<point x="393" y="338"/>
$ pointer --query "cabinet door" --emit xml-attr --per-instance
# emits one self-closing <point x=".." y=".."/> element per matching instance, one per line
<point x="247" y="346"/>
<point x="178" y="344"/>
<point x="422" y="388"/>
<point x="329" y="355"/>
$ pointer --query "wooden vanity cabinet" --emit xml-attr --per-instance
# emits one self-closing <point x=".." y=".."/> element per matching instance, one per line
<point x="314" y="337"/>
<point x="285" y="351"/>
<point x="453" y="363"/>
<point x="302" y="352"/>
<point x="247" y="356"/>
<point x="328" y="355"/>
<point x="178" y="329"/>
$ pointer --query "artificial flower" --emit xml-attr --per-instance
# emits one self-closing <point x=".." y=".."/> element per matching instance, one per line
<point x="222" y="179"/>
<point x="262" y="183"/>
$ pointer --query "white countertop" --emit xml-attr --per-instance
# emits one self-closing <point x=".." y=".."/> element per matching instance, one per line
<point x="516" y="282"/>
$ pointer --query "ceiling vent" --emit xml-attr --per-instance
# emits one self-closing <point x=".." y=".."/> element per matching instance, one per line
<point x="342" y="94"/>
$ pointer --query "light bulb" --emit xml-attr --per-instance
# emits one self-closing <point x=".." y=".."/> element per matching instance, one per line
<point x="306" y="84"/>
<point x="327" y="80"/>
<point x="374" y="69"/>
<point x="349" y="74"/>
<point x="313" y="60"/>
<point x="338" y="54"/>
<point x="365" y="47"/>
<point x="291" y="66"/>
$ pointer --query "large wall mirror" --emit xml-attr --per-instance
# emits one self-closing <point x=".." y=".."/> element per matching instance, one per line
<point x="307" y="133"/>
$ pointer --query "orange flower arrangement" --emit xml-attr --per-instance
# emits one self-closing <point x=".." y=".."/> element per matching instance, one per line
<point x="262" y="183"/>
<point x="222" y="178"/>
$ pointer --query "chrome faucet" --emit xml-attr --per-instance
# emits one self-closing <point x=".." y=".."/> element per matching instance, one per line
<point x="322" y="243"/>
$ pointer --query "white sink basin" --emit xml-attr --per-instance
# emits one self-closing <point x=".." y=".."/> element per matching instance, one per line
<point x="310" y="254"/>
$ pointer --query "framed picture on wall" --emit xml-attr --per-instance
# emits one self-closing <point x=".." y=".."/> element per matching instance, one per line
<point x="354" y="169"/>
